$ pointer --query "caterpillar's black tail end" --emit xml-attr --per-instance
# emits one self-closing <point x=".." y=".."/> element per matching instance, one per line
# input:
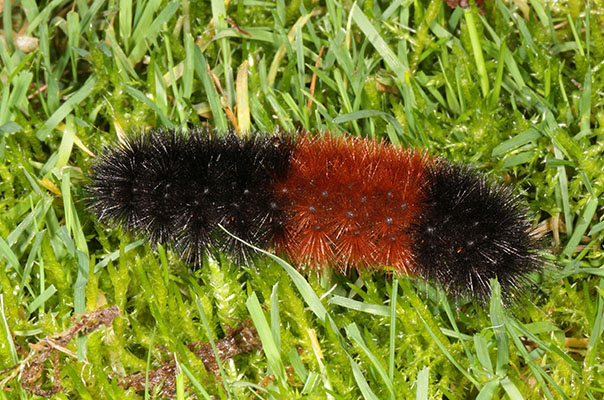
<point x="475" y="230"/>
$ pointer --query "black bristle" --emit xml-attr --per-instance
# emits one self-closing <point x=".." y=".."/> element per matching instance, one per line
<point x="176" y="187"/>
<point x="473" y="230"/>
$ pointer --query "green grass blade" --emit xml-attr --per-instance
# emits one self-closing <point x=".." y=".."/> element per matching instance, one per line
<point x="422" y="384"/>
<point x="67" y="107"/>
<point x="271" y="348"/>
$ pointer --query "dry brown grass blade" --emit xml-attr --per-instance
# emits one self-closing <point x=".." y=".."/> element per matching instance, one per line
<point x="30" y="371"/>
<point x="163" y="379"/>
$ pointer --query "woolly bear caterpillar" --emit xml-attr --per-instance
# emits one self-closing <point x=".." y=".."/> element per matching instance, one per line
<point x="322" y="201"/>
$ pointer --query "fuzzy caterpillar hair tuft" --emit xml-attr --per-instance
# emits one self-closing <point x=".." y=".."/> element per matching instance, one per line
<point x="322" y="201"/>
<point x="176" y="188"/>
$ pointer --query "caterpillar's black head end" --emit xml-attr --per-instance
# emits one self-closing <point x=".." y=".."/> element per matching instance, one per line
<point x="175" y="187"/>
<point x="137" y="183"/>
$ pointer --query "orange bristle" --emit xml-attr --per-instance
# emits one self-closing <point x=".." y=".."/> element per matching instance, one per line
<point x="350" y="203"/>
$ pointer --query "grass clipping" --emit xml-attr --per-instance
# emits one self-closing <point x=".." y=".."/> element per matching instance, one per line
<point x="30" y="371"/>
<point x="240" y="340"/>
